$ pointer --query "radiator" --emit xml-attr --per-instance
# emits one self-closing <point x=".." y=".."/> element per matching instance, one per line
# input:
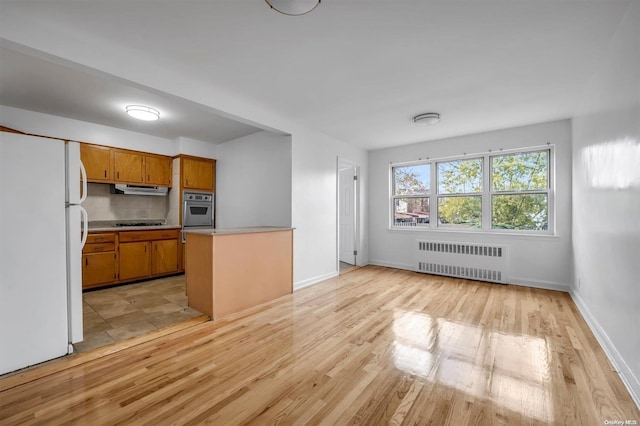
<point x="482" y="262"/>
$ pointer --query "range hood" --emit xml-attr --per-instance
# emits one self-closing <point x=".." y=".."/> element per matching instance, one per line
<point x="139" y="190"/>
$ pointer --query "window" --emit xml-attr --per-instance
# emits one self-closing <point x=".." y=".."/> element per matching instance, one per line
<point x="509" y="192"/>
<point x="520" y="191"/>
<point x="411" y="189"/>
<point x="460" y="194"/>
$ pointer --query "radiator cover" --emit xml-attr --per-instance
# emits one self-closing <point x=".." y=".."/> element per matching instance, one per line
<point x="482" y="262"/>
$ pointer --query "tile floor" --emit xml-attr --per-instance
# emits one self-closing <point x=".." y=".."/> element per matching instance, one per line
<point x="118" y="313"/>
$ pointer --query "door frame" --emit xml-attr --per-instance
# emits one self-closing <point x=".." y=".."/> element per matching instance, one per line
<point x="342" y="163"/>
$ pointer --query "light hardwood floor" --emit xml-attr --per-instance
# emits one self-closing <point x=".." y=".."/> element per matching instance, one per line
<point x="374" y="346"/>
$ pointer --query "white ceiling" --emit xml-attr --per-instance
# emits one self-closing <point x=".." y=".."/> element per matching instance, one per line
<point x="358" y="70"/>
<point x="49" y="85"/>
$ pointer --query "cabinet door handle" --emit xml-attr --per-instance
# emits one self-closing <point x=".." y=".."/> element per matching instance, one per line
<point x="145" y="248"/>
<point x="86" y="261"/>
<point x="105" y="173"/>
<point x="118" y="175"/>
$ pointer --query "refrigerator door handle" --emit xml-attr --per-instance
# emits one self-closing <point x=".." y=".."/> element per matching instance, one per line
<point x="83" y="173"/>
<point x="85" y="226"/>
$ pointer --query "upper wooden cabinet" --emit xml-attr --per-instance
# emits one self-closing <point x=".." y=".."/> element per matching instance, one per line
<point x="128" y="167"/>
<point x="157" y="170"/>
<point x="112" y="165"/>
<point x="198" y="173"/>
<point x="97" y="162"/>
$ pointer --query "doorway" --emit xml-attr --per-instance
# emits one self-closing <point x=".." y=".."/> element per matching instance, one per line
<point x="348" y="201"/>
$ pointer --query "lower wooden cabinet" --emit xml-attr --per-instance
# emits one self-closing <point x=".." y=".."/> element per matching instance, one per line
<point x="99" y="268"/>
<point x="99" y="260"/>
<point x="164" y="257"/>
<point x="113" y="258"/>
<point x="135" y="260"/>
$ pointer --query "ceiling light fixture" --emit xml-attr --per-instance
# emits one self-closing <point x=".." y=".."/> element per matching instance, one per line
<point x="142" y="112"/>
<point x="427" y="119"/>
<point x="293" y="7"/>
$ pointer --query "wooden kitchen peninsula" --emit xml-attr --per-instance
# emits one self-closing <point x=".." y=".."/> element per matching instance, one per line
<point x="228" y="270"/>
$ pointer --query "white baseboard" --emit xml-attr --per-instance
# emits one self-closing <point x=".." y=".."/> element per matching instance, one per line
<point x="392" y="265"/>
<point x="315" y="280"/>
<point x="628" y="378"/>
<point x="545" y="285"/>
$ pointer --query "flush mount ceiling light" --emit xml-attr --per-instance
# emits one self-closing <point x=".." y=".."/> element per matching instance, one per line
<point x="428" y="119"/>
<point x="142" y="112"/>
<point x="293" y="7"/>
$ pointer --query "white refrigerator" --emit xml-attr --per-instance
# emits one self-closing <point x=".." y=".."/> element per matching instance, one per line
<point x="42" y="231"/>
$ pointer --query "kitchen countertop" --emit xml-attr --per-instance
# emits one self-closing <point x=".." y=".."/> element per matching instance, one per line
<point x="231" y="231"/>
<point x="111" y="226"/>
<point x="132" y="228"/>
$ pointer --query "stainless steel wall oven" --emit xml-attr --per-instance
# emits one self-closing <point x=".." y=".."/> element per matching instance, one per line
<point x="198" y="209"/>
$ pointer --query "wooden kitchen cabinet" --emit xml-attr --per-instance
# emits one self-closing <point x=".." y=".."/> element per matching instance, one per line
<point x="135" y="260"/>
<point x="164" y="256"/>
<point x="148" y="253"/>
<point x="97" y="162"/>
<point x="128" y="167"/>
<point x="117" y="257"/>
<point x="99" y="260"/>
<point x="198" y="173"/>
<point x="99" y="269"/>
<point x="157" y="170"/>
<point x="112" y="165"/>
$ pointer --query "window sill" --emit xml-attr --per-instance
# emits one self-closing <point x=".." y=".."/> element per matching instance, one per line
<point x="476" y="232"/>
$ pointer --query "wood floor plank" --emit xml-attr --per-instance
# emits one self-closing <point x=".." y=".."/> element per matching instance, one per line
<point x="374" y="346"/>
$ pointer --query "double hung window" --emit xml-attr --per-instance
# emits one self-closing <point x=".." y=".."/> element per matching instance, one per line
<point x="520" y="191"/>
<point x="411" y="191"/>
<point x="507" y="192"/>
<point x="460" y="194"/>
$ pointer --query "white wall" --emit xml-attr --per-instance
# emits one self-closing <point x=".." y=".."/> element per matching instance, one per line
<point x="606" y="201"/>
<point x="253" y="181"/>
<point x="539" y="261"/>
<point x="196" y="148"/>
<point x="314" y="204"/>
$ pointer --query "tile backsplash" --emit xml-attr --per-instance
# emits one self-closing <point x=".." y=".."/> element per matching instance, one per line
<point x="102" y="205"/>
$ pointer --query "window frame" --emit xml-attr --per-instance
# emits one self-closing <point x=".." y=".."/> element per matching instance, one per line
<point x="395" y="197"/>
<point x="547" y="191"/>
<point x="486" y="194"/>
<point x="450" y="195"/>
